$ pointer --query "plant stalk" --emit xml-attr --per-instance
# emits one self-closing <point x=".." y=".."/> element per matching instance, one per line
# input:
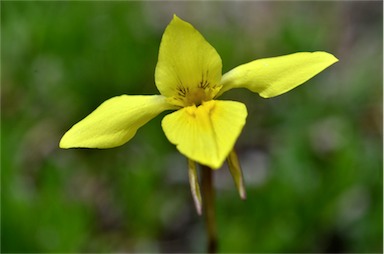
<point x="208" y="195"/>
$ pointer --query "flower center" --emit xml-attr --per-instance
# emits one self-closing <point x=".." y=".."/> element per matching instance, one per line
<point x="195" y="95"/>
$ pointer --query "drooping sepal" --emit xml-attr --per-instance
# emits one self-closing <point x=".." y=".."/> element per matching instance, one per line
<point x="195" y="188"/>
<point x="237" y="174"/>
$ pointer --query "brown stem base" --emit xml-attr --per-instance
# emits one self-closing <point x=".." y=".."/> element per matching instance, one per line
<point x="208" y="195"/>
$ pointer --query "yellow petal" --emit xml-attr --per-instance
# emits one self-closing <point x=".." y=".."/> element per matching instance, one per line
<point x="114" y="122"/>
<point x="189" y="68"/>
<point x="206" y="134"/>
<point x="274" y="76"/>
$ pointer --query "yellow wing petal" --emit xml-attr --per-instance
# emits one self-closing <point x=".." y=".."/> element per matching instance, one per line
<point x="274" y="76"/>
<point x="188" y="66"/>
<point x="114" y="122"/>
<point x="206" y="134"/>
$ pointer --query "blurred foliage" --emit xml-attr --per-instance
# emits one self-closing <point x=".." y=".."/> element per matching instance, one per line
<point x="312" y="158"/>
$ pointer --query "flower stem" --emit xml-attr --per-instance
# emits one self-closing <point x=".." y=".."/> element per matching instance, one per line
<point x="208" y="194"/>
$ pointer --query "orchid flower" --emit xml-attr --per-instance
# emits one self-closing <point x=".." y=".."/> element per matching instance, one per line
<point x="189" y="78"/>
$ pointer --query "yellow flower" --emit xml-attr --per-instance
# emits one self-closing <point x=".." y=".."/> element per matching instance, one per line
<point x="189" y="79"/>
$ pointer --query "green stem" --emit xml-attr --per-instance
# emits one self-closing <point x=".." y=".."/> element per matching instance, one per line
<point x="208" y="194"/>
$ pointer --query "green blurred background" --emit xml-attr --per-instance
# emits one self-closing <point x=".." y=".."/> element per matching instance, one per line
<point x="312" y="158"/>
